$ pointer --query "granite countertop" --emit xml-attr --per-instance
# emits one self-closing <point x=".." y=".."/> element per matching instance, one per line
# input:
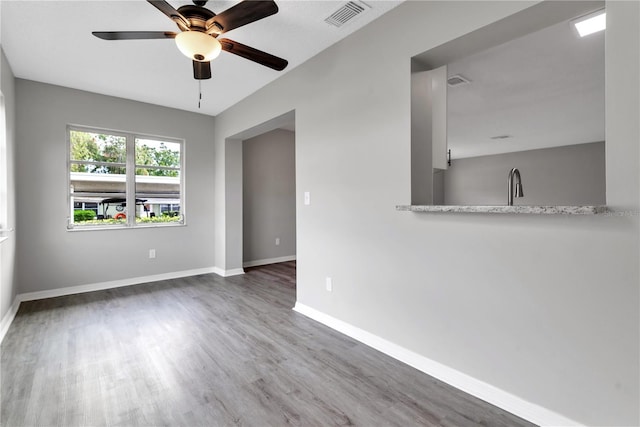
<point x="520" y="209"/>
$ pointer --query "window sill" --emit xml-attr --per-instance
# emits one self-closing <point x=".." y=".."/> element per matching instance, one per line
<point x="125" y="227"/>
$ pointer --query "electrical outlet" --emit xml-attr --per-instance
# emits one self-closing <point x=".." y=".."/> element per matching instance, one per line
<point x="277" y="241"/>
<point x="152" y="253"/>
<point x="329" y="284"/>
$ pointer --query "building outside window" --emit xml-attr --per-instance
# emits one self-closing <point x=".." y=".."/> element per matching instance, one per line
<point x="120" y="179"/>
<point x="85" y="206"/>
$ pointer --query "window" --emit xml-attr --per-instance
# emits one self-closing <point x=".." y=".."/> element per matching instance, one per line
<point x="119" y="179"/>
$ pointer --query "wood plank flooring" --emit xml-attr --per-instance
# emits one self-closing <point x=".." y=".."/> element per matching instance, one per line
<point x="210" y="351"/>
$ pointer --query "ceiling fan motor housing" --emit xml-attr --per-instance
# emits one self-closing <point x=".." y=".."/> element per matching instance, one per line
<point x="197" y="16"/>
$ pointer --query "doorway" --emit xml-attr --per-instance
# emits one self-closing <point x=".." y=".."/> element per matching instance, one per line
<point x="261" y="195"/>
<point x="269" y="197"/>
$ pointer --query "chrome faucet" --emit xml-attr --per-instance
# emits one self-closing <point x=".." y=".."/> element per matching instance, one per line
<point x="519" y="193"/>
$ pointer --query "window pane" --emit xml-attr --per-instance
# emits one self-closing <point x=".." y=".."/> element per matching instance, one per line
<point x="99" y="148"/>
<point x="160" y="196"/>
<point x="157" y="153"/>
<point x="100" y="194"/>
<point x="159" y="210"/>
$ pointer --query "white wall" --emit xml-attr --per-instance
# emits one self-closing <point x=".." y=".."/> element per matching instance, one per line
<point x="49" y="256"/>
<point x="543" y="307"/>
<point x="8" y="280"/>
<point x="269" y="196"/>
<point x="571" y="175"/>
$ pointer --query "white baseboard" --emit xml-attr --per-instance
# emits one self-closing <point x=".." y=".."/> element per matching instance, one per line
<point x="30" y="296"/>
<point x="266" y="261"/>
<point x="7" y="319"/>
<point x="493" y="395"/>
<point x="227" y="273"/>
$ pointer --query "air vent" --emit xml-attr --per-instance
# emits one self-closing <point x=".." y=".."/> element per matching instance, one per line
<point x="346" y="13"/>
<point x="457" y="80"/>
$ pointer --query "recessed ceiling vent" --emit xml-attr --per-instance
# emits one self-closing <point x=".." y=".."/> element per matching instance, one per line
<point x="346" y="13"/>
<point x="457" y="80"/>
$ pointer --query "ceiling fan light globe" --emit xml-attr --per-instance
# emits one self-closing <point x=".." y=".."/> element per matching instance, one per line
<point x="198" y="46"/>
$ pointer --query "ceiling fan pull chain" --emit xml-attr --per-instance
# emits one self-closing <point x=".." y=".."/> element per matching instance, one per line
<point x="200" y="92"/>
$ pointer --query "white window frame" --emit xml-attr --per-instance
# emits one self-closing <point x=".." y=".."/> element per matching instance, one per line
<point x="130" y="180"/>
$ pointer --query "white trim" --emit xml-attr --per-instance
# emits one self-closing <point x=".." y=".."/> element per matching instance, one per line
<point x="30" y="296"/>
<point x="266" y="261"/>
<point x="7" y="319"/>
<point x="475" y="387"/>
<point x="227" y="273"/>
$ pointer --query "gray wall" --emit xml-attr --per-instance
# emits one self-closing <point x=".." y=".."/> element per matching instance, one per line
<point x="422" y="177"/>
<point x="544" y="307"/>
<point x="269" y="195"/>
<point x="8" y="280"/>
<point x="569" y="175"/>
<point x="51" y="257"/>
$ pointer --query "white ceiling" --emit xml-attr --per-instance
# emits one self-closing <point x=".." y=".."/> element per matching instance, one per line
<point x="544" y="89"/>
<point x="51" y="42"/>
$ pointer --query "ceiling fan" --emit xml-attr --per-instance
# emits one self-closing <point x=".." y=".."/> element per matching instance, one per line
<point x="199" y="31"/>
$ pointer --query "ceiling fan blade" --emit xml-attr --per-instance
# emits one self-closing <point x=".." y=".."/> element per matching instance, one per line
<point x="201" y="70"/>
<point x="133" y="35"/>
<point x="253" y="54"/>
<point x="243" y="13"/>
<point x="171" y="12"/>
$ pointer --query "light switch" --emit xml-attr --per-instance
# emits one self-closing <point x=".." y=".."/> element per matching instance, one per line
<point x="307" y="198"/>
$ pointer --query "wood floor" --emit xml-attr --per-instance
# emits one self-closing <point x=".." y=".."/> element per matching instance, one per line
<point x="210" y="351"/>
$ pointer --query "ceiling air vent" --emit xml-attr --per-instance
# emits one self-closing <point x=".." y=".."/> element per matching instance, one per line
<point x="457" y="80"/>
<point x="346" y="13"/>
